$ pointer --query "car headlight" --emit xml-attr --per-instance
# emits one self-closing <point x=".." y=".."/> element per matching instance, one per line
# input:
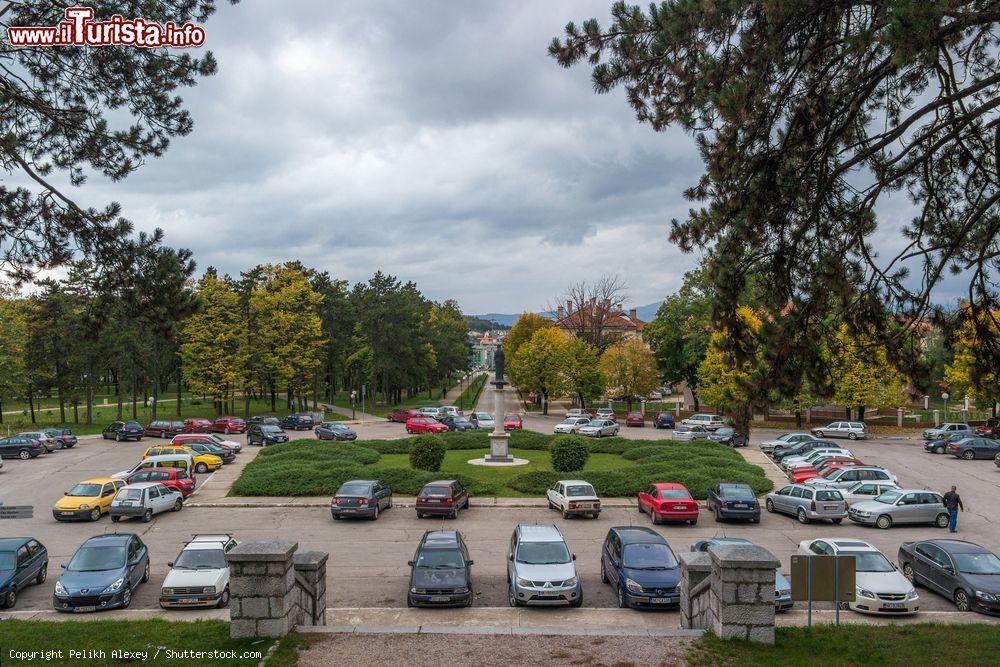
<point x="85" y="506"/>
<point x="416" y="591"/>
<point x="991" y="597"/>
<point x="461" y="591"/>
<point x="863" y="592"/>
<point x="782" y="592"/>
<point x="115" y="586"/>
<point x="633" y="586"/>
<point x="166" y="591"/>
<point x="522" y="582"/>
<point x="60" y="589"/>
<point x="569" y="582"/>
<point x="862" y="513"/>
<point x="911" y="594"/>
<point x="209" y="590"/>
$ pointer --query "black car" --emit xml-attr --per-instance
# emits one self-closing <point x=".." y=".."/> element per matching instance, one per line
<point x="800" y="448"/>
<point x="63" y="435"/>
<point x="265" y="434"/>
<point x="974" y="448"/>
<point x="641" y="568"/>
<point x="23" y="561"/>
<point x="298" y="421"/>
<point x="102" y="574"/>
<point x="733" y="501"/>
<point x="265" y="421"/>
<point x="335" y="431"/>
<point x="361" y="498"/>
<point x="457" y="423"/>
<point x="440" y="572"/>
<point x="227" y="455"/>
<point x="963" y="572"/>
<point x="20" y="448"/>
<point x="119" y="431"/>
<point x="728" y="436"/>
<point x="664" y="420"/>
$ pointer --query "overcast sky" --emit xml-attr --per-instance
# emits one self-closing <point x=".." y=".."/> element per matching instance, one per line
<point x="433" y="140"/>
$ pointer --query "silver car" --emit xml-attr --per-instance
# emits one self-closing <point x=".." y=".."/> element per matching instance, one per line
<point x="540" y="568"/>
<point x="850" y="430"/>
<point x="683" y="432"/>
<point x="842" y="478"/>
<point x="864" y="491"/>
<point x="598" y="428"/>
<point x="482" y="420"/>
<point x="807" y="503"/>
<point x="901" y="506"/>
<point x="143" y="500"/>
<point x="785" y="440"/>
<point x="947" y="429"/>
<point x="570" y="425"/>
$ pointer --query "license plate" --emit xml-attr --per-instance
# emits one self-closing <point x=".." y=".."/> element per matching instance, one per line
<point x="84" y="608"/>
<point x="548" y="595"/>
<point x="678" y="507"/>
<point x="128" y="502"/>
<point x="662" y="600"/>
<point x="892" y="605"/>
<point x="740" y="506"/>
<point x="829" y="507"/>
<point x="347" y="509"/>
<point x="431" y="500"/>
<point x="440" y="598"/>
<point x="187" y="600"/>
<point x="66" y="513"/>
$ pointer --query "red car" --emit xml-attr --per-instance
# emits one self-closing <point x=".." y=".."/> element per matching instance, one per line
<point x="512" y="422"/>
<point x="990" y="429"/>
<point x="403" y="415"/>
<point x="173" y="478"/>
<point x="799" y="475"/>
<point x="200" y="439"/>
<point x="229" y="425"/>
<point x="666" y="501"/>
<point x="425" y="425"/>
<point x="197" y="425"/>
<point x="635" y="418"/>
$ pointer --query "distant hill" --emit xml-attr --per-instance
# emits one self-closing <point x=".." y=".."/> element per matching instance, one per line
<point x="486" y="322"/>
<point x="645" y="313"/>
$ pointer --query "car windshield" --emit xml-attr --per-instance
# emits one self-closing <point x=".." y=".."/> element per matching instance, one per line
<point x="129" y="494"/>
<point x="542" y="553"/>
<point x="595" y="422"/>
<point x="674" y="494"/>
<point x="133" y="425"/>
<point x="737" y="492"/>
<point x="216" y="439"/>
<point x="7" y="560"/>
<point x="484" y="415"/>
<point x="201" y="559"/>
<point x="829" y="495"/>
<point x="270" y="429"/>
<point x="440" y="559"/>
<point x="85" y="491"/>
<point x="354" y="490"/>
<point x="682" y="429"/>
<point x="437" y="491"/>
<point x="236" y="420"/>
<point x="984" y="563"/>
<point x="635" y="414"/>
<point x="725" y="431"/>
<point x="93" y="559"/>
<point x="337" y="426"/>
<point x="869" y="561"/>
<point x="648" y="557"/>
<point x="569" y="421"/>
<point x="580" y="490"/>
<point x="888" y="497"/>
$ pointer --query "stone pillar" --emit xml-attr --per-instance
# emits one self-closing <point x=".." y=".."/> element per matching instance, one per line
<point x="742" y="595"/>
<point x="677" y="408"/>
<point x="499" y="438"/>
<point x="927" y="402"/>
<point x="899" y="416"/>
<point x="310" y="578"/>
<point x="264" y="600"/>
<point x="937" y="417"/>
<point x="696" y="566"/>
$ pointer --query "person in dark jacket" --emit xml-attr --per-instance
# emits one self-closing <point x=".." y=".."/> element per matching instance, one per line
<point x="953" y="503"/>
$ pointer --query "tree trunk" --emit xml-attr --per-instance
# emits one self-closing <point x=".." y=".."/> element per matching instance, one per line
<point x="694" y="397"/>
<point x="861" y="413"/>
<point x="118" y="391"/>
<point x="246" y="406"/>
<point x="1" y="410"/>
<point x="274" y="396"/>
<point x="847" y="413"/>
<point x="288" y="399"/>
<point x="31" y="402"/>
<point x="545" y="404"/>
<point x="180" y="388"/>
<point x="62" y="400"/>
<point x="135" y="390"/>
<point x="76" y="411"/>
<point x="90" y="392"/>
<point x="798" y="419"/>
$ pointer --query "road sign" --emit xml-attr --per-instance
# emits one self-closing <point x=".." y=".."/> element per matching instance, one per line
<point x="17" y="511"/>
<point x="822" y="578"/>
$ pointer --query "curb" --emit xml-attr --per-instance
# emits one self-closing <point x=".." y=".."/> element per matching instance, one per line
<point x="493" y="630"/>
<point x="326" y="504"/>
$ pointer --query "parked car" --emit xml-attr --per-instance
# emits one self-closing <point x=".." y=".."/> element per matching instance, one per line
<point x="990" y="429"/>
<point x="298" y="421"/>
<point x="432" y="411"/>
<point x="800" y="449"/>
<point x="87" y="500"/>
<point x="729" y="437"/>
<point x="570" y="425"/>
<point x="227" y="455"/>
<point x="784" y="441"/>
<point x="208" y="439"/>
<point x="666" y="501"/>
<point x="482" y="420"/>
<point x="122" y="431"/>
<point x="440" y="572"/>
<point x="264" y="420"/>
<point x="200" y="575"/>
<point x="402" y="415"/>
<point x="974" y="448"/>
<point x="20" y="448"/>
<point x="807" y="503"/>
<point x="635" y="418"/>
<point x="541" y="568"/>
<point x="176" y="479"/>
<point x="598" y="428"/>
<point x="182" y="461"/>
<point x="664" y="420"/>
<point x="425" y="425"/>
<point x="102" y="574"/>
<point x="863" y="491"/>
<point x="48" y="442"/>
<point x="802" y="474"/>
<point x="197" y="425"/>
<point x="842" y="478"/>
<point x="335" y="431"/>
<point x="443" y="497"/>
<point x="579" y="413"/>
<point x="23" y="561"/>
<point x="450" y="410"/>
<point x="457" y="423"/>
<point x="686" y="433"/>
<point x="947" y="429"/>
<point x="996" y="460"/>
<point x="850" y="430"/>
<point x="709" y="422"/>
<point x="512" y="422"/>
<point x="900" y="506"/>
<point x="782" y="587"/>
<point x="143" y="500"/>
<point x="202" y="462"/>
<point x="163" y="428"/>
<point x="641" y="568"/>
<point x="574" y="497"/>
<point x="880" y="587"/>
<point x="963" y="572"/>
<point x="605" y="413"/>
<point x="265" y="435"/>
<point x="64" y="435"/>
<point x="229" y="425"/>
<point x="790" y="462"/>
<point x="733" y="501"/>
<point x="941" y="446"/>
<point x="361" y="498"/>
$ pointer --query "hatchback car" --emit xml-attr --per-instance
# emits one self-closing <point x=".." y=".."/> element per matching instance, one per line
<point x="163" y="428"/>
<point x="143" y="500"/>
<point x="574" y="497"/>
<point x="512" y="422"/>
<point x="265" y="435"/>
<point x="122" y="431"/>
<point x="899" y="506"/>
<point x="335" y="431"/>
<point x="641" y="568"/>
<point x="298" y="421"/>
<point x="666" y="501"/>
<point x="440" y="572"/>
<point x="841" y="478"/>
<point x="425" y="425"/>
<point x="482" y="420"/>
<point x="598" y="428"/>
<point x="807" y="503"/>
<point x="229" y="425"/>
<point x="50" y="443"/>
<point x="570" y="425"/>
<point x="782" y="587"/>
<point x="444" y="497"/>
<point x="863" y="491"/>
<point x="733" y="501"/>
<point x="784" y="441"/>
<point x="710" y="422"/>
<point x="457" y="423"/>
<point x="541" y="568"/>
<point x="401" y="415"/>
<point x="664" y="420"/>
<point x="880" y="587"/>
<point x="850" y="430"/>
<point x="686" y="433"/>
<point x="264" y="420"/>
<point x="363" y="498"/>
<point x="578" y="413"/>
<point x="635" y="418"/>
<point x="963" y="572"/>
<point x="940" y="446"/>
<point x="974" y="448"/>
<point x="176" y="479"/>
<point x="729" y="437"/>
<point x="605" y="413"/>
<point x="20" y="448"/>
<point x="197" y="425"/>
<point x="88" y="500"/>
<point x="23" y="561"/>
<point x="102" y="574"/>
<point x="200" y="575"/>
<point x="947" y="429"/>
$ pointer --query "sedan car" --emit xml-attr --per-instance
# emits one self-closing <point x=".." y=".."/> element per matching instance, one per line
<point x="665" y="501"/>
<point x="784" y="441"/>
<point x="963" y="572"/>
<point x="143" y="500"/>
<point x="940" y="446"/>
<point x="425" y="425"/>
<point x="899" y="506"/>
<point x="850" y="430"/>
<point x="200" y="575"/>
<point x="364" y="498"/>
<point x="401" y="415"/>
<point x="729" y="437"/>
<point x="440" y="572"/>
<point x="879" y="587"/>
<point x="686" y="433"/>
<point x="570" y="425"/>
<point x="990" y="429"/>
<point x="598" y="428"/>
<point x="641" y="568"/>
<point x="123" y="431"/>
<point x="733" y="501"/>
<point x="807" y="504"/>
<point x="266" y="435"/>
<point x="947" y="429"/>
<point x="335" y="431"/>
<point x="512" y="422"/>
<point x="974" y="448"/>
<point x="482" y="420"/>
<point x="21" y="448"/>
<point x="87" y="500"/>
<point x="102" y="574"/>
<point x="457" y="423"/>
<point x="23" y="561"/>
<point x="782" y="587"/>
<point x="229" y="425"/>
<point x="664" y="420"/>
<point x="635" y="418"/>
<point x="574" y="497"/>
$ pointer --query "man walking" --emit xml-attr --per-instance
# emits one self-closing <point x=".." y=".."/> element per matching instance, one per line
<point x="953" y="503"/>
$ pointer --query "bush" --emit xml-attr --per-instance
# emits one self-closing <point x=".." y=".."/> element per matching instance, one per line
<point x="569" y="453"/>
<point x="427" y="453"/>
<point x="531" y="440"/>
<point x="536" y="482"/>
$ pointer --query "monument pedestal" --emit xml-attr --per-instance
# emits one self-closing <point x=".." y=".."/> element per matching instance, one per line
<point x="498" y="448"/>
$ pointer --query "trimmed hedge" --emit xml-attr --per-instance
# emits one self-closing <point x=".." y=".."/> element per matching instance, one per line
<point x="569" y="453"/>
<point x="427" y="453"/>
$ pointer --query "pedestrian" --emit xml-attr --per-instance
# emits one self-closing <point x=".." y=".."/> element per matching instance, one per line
<point x="953" y="503"/>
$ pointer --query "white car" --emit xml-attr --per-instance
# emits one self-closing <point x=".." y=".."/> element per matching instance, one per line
<point x="684" y="432"/>
<point x="598" y="428"/>
<point x="432" y="412"/>
<point x="710" y="422"/>
<point x="880" y="587"/>
<point x="578" y="412"/>
<point x="785" y="440"/>
<point x="790" y="462"/>
<point x="143" y="500"/>
<point x="450" y="410"/>
<point x="571" y="425"/>
<point x="200" y="575"/>
<point x="864" y="491"/>
<point x="574" y="497"/>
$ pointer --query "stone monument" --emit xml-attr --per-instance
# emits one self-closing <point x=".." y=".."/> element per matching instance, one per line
<point x="499" y="437"/>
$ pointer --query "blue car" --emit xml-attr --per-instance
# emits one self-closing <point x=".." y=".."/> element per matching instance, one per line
<point x="664" y="420"/>
<point x="733" y="501"/>
<point x="641" y="567"/>
<point x="102" y="574"/>
<point x="23" y="560"/>
<point x="782" y="587"/>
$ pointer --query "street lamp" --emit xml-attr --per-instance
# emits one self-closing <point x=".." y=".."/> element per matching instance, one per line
<point x="945" y="396"/>
<point x="354" y="394"/>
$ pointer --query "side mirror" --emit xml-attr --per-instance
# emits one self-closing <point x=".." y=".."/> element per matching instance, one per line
<point x="574" y="556"/>
<point x="510" y="557"/>
<point x="410" y="563"/>
<point x="62" y="565"/>
<point x="470" y="562"/>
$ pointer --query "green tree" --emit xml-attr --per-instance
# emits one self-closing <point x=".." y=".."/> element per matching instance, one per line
<point x="449" y="336"/>
<point x="864" y="375"/>
<point x="964" y="375"/>
<point x="582" y="370"/>
<point x="629" y="369"/>
<point x="522" y="331"/>
<point x="727" y="383"/>
<point x="539" y="365"/>
<point x="13" y="336"/>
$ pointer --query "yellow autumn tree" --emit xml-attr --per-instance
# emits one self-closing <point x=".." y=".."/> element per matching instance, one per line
<point x="539" y="365"/>
<point x="723" y="380"/>
<point x="629" y="369"/>
<point x="863" y="375"/>
<point x="960" y="376"/>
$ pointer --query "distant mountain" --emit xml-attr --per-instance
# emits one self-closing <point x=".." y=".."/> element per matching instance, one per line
<point x="645" y="313"/>
<point x="499" y="318"/>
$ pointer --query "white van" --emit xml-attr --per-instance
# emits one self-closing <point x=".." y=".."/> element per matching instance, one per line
<point x="162" y="461"/>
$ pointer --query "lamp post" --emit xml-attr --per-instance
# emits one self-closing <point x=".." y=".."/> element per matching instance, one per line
<point x="945" y="396"/>
<point x="354" y="394"/>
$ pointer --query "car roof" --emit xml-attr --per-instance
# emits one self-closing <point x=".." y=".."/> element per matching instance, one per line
<point x="900" y="490"/>
<point x="530" y="532"/>
<point x="155" y="469"/>
<point x="97" y="480"/>
<point x="110" y="538"/>
<point x="669" y="485"/>
<point x="850" y="545"/>
<point x="359" y="481"/>
<point x="733" y="485"/>
<point x="638" y="535"/>
<point x="440" y="482"/>
<point x="7" y="543"/>
<point x="143" y="485"/>
<point x="959" y="546"/>
<point x="570" y="482"/>
<point x="440" y="538"/>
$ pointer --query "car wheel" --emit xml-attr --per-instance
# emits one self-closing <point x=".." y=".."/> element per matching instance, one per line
<point x="908" y="573"/>
<point x="884" y="521"/>
<point x="802" y="516"/>
<point x="604" y="574"/>
<point x="335" y="517"/>
<point x="95" y="514"/>
<point x="201" y="468"/>
<point x="145" y="574"/>
<point x="962" y="600"/>
<point x="118" y="437"/>
<point x="819" y="434"/>
<point x="693" y="522"/>
<point x="419" y="515"/>
<point x="126" y="597"/>
<point x="226" y="430"/>
<point x="836" y="522"/>
<point x="375" y="513"/>
<point x="512" y="597"/>
<point x="941" y="521"/>
<point x="579" y="600"/>
<point x="389" y="506"/>
<point x="769" y="505"/>
<point x="42" y="574"/>
<point x="454" y="514"/>
<point x="224" y="600"/>
<point x="551" y="506"/>
<point x="622" y="602"/>
<point x="9" y="600"/>
<point x="939" y="450"/>
<point x="115" y="519"/>
<point x="24" y="455"/>
<point x="852" y="436"/>
<point x="178" y="505"/>
<point x="409" y="430"/>
<point x="409" y="600"/>
<point x="717" y="516"/>
<point x="968" y="455"/>
<point x="565" y="514"/>
<point x="147" y="516"/>
<point x="656" y="519"/>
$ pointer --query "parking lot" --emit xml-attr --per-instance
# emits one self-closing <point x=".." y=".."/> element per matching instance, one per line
<point x="367" y="566"/>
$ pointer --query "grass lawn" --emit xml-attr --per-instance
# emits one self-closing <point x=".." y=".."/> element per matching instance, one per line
<point x="136" y="636"/>
<point x="380" y="409"/>
<point x="850" y="645"/>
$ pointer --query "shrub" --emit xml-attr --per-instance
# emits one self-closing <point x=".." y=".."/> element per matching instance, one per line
<point x="569" y="453"/>
<point x="427" y="453"/>
<point x="536" y="482"/>
<point x="531" y="440"/>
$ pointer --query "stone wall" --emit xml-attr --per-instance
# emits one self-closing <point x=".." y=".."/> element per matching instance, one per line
<point x="310" y="582"/>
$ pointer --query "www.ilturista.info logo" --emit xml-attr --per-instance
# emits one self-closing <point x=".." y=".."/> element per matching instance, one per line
<point x="79" y="29"/>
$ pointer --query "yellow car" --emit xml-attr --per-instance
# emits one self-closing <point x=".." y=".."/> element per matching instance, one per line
<point x="202" y="462"/>
<point x="88" y="499"/>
